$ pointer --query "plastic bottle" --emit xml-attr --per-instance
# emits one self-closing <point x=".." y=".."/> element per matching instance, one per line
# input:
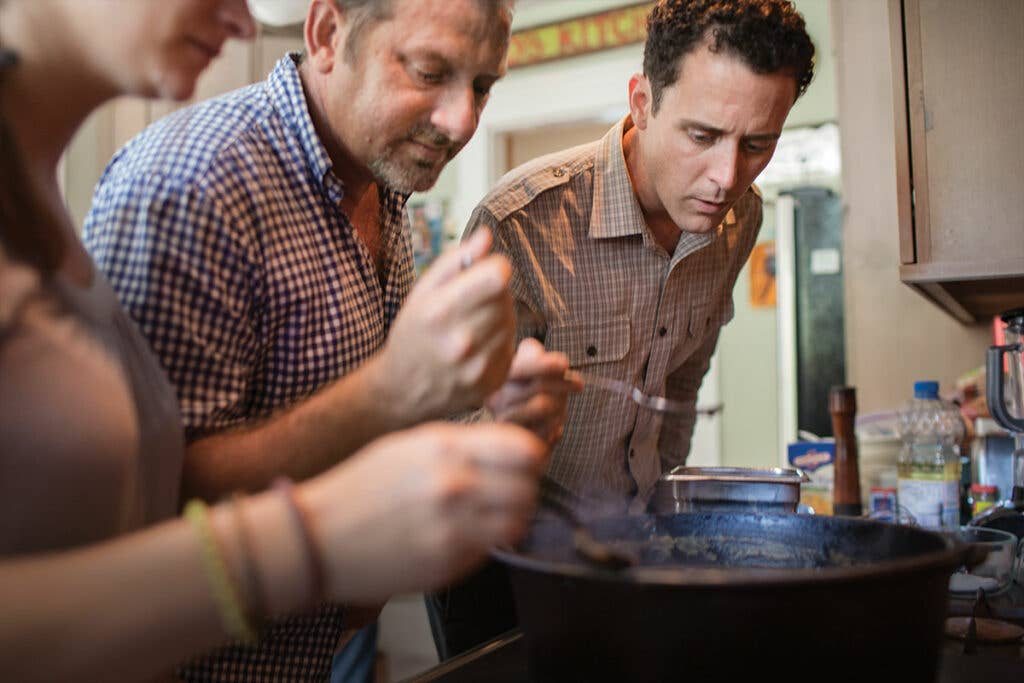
<point x="928" y="480"/>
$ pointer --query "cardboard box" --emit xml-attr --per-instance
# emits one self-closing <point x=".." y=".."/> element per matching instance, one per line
<point x="816" y="460"/>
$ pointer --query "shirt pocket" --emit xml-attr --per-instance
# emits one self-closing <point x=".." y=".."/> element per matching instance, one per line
<point x="700" y="320"/>
<point x="707" y="317"/>
<point x="592" y="342"/>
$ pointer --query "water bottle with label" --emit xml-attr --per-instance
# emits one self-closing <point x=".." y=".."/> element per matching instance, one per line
<point x="928" y="482"/>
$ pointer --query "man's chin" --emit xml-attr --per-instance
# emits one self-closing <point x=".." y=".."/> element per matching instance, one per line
<point x="699" y="225"/>
<point x="412" y="178"/>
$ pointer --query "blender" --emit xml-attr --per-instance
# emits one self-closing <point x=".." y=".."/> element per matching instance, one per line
<point x="1005" y="395"/>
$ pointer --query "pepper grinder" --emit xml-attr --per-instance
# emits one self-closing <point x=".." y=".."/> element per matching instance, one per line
<point x="842" y="403"/>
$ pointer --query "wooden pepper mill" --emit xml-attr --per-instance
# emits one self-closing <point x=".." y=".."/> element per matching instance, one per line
<point x="842" y="403"/>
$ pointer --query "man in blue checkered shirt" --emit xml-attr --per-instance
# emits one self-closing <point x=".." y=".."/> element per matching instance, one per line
<point x="260" y="241"/>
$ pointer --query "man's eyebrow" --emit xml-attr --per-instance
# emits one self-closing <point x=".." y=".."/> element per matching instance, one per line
<point x="429" y="55"/>
<point x="708" y="128"/>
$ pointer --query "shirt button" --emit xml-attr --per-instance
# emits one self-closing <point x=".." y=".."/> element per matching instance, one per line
<point x="632" y="453"/>
<point x="559" y="172"/>
<point x="591" y="350"/>
<point x="662" y="331"/>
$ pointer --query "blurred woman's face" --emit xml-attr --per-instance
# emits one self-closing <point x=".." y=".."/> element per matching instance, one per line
<point x="156" y="48"/>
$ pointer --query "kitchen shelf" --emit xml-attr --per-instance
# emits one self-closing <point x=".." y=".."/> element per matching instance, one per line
<point x="964" y="293"/>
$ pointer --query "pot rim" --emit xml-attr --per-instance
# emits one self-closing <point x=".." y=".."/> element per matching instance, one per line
<point x="953" y="554"/>
<point x="767" y="475"/>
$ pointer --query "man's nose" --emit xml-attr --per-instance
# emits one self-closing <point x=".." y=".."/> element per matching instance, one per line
<point x="724" y="165"/>
<point x="235" y="15"/>
<point x="456" y="114"/>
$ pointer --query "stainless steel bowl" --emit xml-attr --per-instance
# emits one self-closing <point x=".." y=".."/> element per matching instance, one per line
<point x="728" y="489"/>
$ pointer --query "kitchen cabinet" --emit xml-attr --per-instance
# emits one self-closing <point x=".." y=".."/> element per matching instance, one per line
<point x="959" y="99"/>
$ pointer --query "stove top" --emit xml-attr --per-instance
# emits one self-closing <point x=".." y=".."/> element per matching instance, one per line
<point x="503" y="660"/>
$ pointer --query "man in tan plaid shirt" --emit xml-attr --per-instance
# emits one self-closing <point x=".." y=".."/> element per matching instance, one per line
<point x="625" y="251"/>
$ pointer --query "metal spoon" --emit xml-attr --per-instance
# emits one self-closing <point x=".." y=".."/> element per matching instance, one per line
<point x="635" y="394"/>
<point x="587" y="547"/>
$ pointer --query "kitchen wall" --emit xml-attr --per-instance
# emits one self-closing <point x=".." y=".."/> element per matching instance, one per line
<point x="893" y="335"/>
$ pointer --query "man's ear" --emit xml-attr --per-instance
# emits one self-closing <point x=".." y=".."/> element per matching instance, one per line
<point x="640" y="100"/>
<point x="324" y="34"/>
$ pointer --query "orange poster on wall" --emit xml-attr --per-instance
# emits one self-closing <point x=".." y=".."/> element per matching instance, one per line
<point x="762" y="275"/>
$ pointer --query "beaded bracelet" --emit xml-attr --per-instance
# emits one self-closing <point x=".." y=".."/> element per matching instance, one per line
<point x="314" y="558"/>
<point x="225" y="593"/>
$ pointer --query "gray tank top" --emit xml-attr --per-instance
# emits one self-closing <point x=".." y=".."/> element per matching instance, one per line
<point x="161" y="435"/>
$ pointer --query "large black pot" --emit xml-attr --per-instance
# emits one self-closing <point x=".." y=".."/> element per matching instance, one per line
<point x="736" y="597"/>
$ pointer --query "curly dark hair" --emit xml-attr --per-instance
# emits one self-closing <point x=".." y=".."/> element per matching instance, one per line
<point x="768" y="35"/>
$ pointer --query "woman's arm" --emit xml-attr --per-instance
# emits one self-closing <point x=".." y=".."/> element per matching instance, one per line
<point x="132" y="608"/>
<point x="412" y="511"/>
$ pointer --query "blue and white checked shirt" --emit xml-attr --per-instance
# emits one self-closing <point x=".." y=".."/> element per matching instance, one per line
<point x="219" y="227"/>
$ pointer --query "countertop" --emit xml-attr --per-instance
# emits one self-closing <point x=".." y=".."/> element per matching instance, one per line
<point x="503" y="660"/>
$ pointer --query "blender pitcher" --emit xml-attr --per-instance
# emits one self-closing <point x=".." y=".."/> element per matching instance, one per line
<point x="1005" y="395"/>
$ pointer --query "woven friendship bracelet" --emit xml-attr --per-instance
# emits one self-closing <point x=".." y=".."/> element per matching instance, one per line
<point x="253" y="589"/>
<point x="225" y="593"/>
<point x="314" y="558"/>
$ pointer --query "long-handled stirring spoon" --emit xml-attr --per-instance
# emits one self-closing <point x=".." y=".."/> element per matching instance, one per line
<point x="597" y="553"/>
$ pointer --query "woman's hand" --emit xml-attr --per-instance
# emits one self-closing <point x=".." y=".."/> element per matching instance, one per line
<point x="417" y="509"/>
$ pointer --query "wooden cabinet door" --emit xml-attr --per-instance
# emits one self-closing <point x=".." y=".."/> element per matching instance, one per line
<point x="964" y="107"/>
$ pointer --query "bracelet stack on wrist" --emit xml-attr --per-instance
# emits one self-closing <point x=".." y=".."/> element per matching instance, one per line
<point x="241" y="600"/>
<point x="230" y="605"/>
<point x="314" y="557"/>
<point x="252" y="583"/>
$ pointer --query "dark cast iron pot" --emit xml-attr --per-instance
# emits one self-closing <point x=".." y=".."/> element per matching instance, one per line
<point x="736" y="597"/>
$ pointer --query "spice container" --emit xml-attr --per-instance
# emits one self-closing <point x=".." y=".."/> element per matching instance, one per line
<point x="982" y="497"/>
<point x="883" y="503"/>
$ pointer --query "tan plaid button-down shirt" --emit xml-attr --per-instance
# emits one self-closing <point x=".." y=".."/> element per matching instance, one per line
<point x="591" y="281"/>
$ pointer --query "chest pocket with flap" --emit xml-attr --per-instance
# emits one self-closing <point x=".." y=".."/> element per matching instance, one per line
<point x="587" y="343"/>
<point x="702" y="319"/>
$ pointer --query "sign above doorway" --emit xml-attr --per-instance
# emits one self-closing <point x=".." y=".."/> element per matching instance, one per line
<point x="579" y="35"/>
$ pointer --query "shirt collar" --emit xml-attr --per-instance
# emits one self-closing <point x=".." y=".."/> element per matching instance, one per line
<point x="288" y="97"/>
<point x="616" y="211"/>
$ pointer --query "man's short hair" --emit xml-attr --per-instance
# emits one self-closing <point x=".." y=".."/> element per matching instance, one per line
<point x="365" y="13"/>
<point x="361" y="15"/>
<point x="769" y="36"/>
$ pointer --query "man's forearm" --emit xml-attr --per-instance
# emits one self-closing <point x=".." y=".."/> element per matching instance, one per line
<point x="299" y="441"/>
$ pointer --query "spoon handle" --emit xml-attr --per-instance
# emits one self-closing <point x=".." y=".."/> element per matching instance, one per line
<point x="553" y="495"/>
<point x="657" y="403"/>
